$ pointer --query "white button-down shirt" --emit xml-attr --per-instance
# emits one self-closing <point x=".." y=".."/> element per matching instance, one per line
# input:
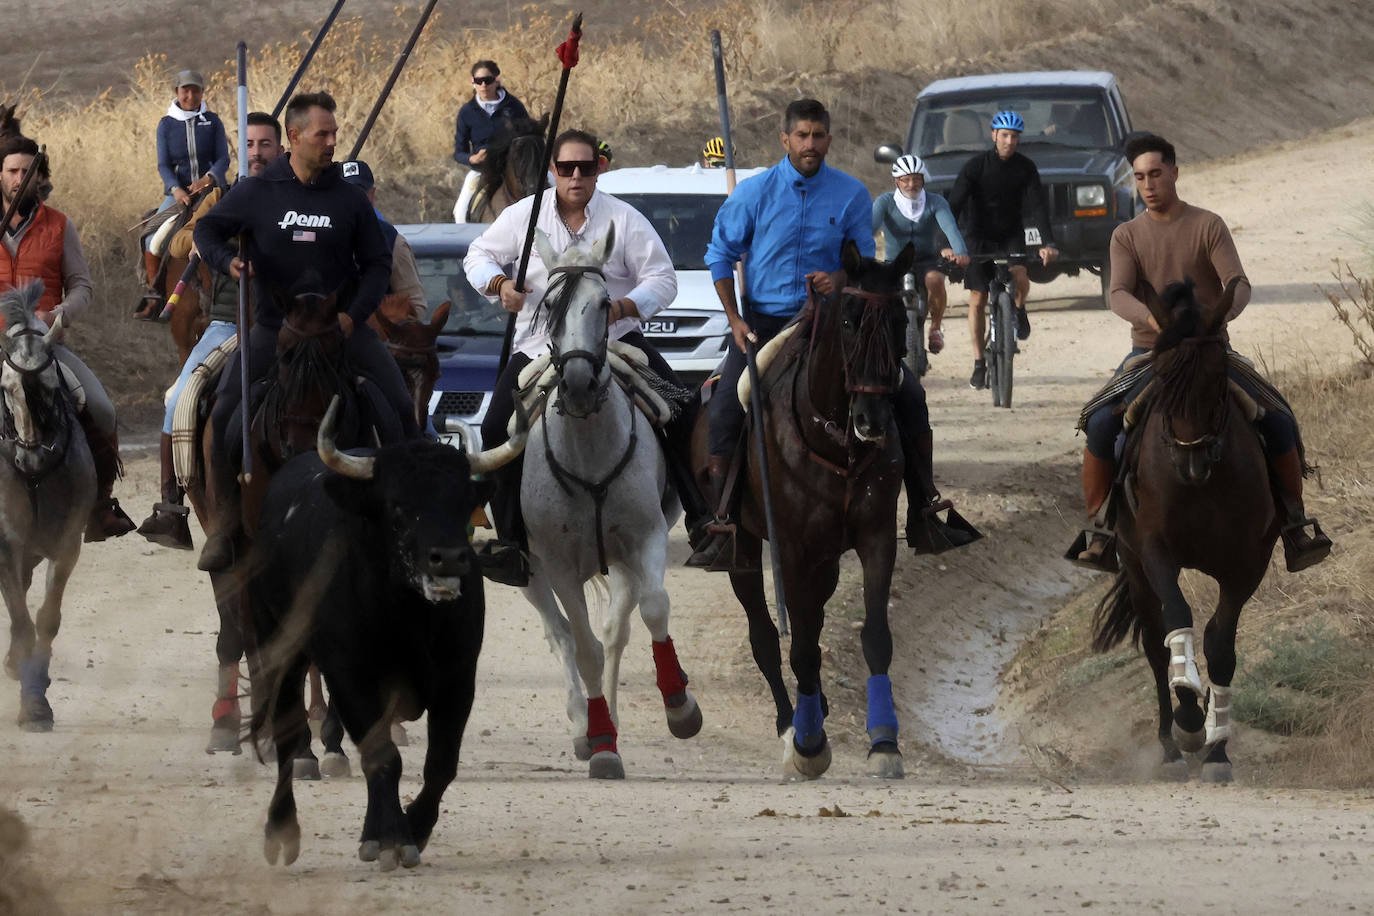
<point x="638" y="268"/>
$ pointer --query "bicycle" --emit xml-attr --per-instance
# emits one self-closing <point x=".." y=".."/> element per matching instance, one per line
<point x="915" y="298"/>
<point x="999" y="345"/>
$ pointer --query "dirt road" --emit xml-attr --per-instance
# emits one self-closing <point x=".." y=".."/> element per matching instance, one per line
<point x="125" y="813"/>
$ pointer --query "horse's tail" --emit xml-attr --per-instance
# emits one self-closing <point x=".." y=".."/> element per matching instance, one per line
<point x="1115" y="617"/>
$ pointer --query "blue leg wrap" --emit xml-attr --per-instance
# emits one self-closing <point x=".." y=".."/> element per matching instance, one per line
<point x="33" y="676"/>
<point x="808" y="721"/>
<point x="882" y="713"/>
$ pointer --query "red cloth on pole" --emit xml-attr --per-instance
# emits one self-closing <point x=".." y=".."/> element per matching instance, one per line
<point x="567" y="51"/>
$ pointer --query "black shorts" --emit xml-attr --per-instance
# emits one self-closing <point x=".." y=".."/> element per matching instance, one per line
<point x="978" y="275"/>
<point x="923" y="265"/>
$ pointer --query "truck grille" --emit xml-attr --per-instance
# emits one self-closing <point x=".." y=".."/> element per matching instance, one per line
<point x="462" y="403"/>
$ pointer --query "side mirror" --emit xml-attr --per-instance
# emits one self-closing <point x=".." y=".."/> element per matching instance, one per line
<point x="887" y="153"/>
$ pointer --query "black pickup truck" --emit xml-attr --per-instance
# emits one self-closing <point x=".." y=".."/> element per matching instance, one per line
<point x="1076" y="126"/>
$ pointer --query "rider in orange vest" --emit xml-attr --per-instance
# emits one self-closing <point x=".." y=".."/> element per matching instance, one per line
<point x="41" y="243"/>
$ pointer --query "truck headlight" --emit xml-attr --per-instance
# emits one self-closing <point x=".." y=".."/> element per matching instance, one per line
<point x="1090" y="195"/>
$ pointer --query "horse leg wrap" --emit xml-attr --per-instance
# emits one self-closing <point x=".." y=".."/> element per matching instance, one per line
<point x="672" y="680"/>
<point x="227" y="699"/>
<point x="1218" y="714"/>
<point x="809" y="722"/>
<point x="882" y="713"/>
<point x="600" y="729"/>
<point x="1183" y="661"/>
<point x="33" y="676"/>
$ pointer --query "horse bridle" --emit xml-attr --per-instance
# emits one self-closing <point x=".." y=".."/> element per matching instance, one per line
<point x="572" y="273"/>
<point x="53" y="447"/>
<point x="875" y="302"/>
<point x="1210" y="443"/>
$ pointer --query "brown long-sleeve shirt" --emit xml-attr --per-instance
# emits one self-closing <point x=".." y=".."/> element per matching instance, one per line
<point x="1147" y="254"/>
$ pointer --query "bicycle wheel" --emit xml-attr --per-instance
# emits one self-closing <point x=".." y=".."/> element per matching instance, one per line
<point x="1005" y="316"/>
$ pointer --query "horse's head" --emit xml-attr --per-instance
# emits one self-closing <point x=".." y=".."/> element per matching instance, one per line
<point x="412" y="344"/>
<point x="9" y="124"/>
<point x="576" y="311"/>
<point x="310" y="367"/>
<point x="32" y="385"/>
<point x="872" y="337"/>
<point x="1190" y="363"/>
<point x="515" y="157"/>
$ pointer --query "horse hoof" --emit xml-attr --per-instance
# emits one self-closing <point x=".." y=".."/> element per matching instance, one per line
<point x="36" y="725"/>
<point x="267" y="750"/>
<point x="11" y="668"/>
<point x="369" y="850"/>
<point x="1173" y="771"/>
<point x="582" y="747"/>
<point x="885" y="762"/>
<point x="335" y="766"/>
<point x="1219" y="773"/>
<point x="399" y="737"/>
<point x="684" y="721"/>
<point x="410" y="856"/>
<point x="606" y="765"/>
<point x="388" y="860"/>
<point x="1189" y="742"/>
<point x="283" y="844"/>
<point x="224" y="740"/>
<point x="797" y="766"/>
<point x="307" y="768"/>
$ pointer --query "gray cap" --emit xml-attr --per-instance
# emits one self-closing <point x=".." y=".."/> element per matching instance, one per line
<point x="190" y="78"/>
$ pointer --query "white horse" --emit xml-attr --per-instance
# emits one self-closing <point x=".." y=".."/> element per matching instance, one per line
<point x="596" y="501"/>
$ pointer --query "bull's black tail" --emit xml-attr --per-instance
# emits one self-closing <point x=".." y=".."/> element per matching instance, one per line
<point x="1116" y="617"/>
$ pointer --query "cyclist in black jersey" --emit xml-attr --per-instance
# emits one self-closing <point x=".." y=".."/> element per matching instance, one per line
<point x="997" y="197"/>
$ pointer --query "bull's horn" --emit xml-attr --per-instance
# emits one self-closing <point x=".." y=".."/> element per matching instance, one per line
<point x="58" y="329"/>
<point x="348" y="465"/>
<point x="505" y="453"/>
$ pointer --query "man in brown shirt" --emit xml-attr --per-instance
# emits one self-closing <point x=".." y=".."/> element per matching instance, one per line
<point x="1173" y="240"/>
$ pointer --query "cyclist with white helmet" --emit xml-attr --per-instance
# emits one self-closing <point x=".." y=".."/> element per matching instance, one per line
<point x="996" y="197"/>
<point x="911" y="214"/>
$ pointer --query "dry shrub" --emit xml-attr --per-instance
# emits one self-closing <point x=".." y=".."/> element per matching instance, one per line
<point x="1353" y="302"/>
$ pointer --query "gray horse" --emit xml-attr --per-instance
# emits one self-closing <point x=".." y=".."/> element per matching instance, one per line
<point x="596" y="500"/>
<point x="47" y="490"/>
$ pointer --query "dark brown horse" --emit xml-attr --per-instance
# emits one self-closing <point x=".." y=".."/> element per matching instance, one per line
<point x="1198" y="498"/>
<point x="412" y="344"/>
<point x="835" y="465"/>
<point x="510" y="171"/>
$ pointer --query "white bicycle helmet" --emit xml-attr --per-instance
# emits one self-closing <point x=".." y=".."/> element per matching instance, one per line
<point x="910" y="165"/>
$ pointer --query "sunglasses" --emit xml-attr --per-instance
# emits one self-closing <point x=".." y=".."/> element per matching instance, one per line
<point x="483" y="80"/>
<point x="565" y="169"/>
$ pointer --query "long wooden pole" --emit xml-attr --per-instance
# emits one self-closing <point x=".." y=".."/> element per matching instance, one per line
<point x="750" y="356"/>
<point x="305" y="61"/>
<point x="246" y="472"/>
<point x="391" y="80"/>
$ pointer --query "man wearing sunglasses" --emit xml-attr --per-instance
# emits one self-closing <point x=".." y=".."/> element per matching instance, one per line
<point x="641" y="281"/>
<point x="490" y="110"/>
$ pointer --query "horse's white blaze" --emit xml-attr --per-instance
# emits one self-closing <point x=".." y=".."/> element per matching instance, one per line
<point x="1182" y="661"/>
<point x="1218" y="714"/>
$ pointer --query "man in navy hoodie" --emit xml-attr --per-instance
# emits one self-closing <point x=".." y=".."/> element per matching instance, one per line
<point x="300" y="218"/>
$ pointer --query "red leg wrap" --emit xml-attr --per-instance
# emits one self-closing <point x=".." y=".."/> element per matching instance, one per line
<point x="671" y="679"/>
<point x="600" y="729"/>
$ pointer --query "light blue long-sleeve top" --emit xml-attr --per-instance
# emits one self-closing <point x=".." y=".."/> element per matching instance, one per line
<point x="788" y="226"/>
<point x="898" y="230"/>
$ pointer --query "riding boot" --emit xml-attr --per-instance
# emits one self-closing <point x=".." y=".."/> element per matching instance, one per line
<point x="168" y="523"/>
<point x="1098" y="550"/>
<point x="107" y="519"/>
<point x="926" y="533"/>
<point x="1300" y="549"/>
<point x="506" y="559"/>
<point x="150" y="305"/>
<point x="720" y="526"/>
<point x="696" y="514"/>
<point x="225" y="516"/>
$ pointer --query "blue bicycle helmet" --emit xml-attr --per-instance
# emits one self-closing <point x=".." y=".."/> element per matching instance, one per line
<point x="1008" y="120"/>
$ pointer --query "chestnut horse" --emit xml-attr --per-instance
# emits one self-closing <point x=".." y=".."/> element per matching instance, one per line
<point x="1198" y="498"/>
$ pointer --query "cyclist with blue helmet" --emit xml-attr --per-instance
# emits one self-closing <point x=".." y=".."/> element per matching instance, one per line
<point x="998" y="200"/>
<point x="911" y="214"/>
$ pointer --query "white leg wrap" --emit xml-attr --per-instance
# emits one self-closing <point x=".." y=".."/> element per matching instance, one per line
<point x="1182" y="662"/>
<point x="1218" y="714"/>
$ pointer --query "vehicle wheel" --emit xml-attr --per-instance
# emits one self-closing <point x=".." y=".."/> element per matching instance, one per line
<point x="1106" y="284"/>
<point x="916" y="358"/>
<point x="1006" y="329"/>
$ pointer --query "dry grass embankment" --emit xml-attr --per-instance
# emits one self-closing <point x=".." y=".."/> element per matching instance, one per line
<point x="1304" y="688"/>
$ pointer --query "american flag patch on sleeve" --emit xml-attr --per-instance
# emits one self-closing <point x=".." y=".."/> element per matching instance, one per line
<point x="302" y="235"/>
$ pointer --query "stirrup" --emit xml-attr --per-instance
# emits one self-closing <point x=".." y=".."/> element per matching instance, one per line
<point x="932" y="535"/>
<point x="504" y="562"/>
<point x="1298" y="556"/>
<point x="719" y="534"/>
<point x="172" y="508"/>
<point x="1080" y="553"/>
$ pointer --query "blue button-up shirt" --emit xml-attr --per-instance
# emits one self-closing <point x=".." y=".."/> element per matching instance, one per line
<point x="788" y="226"/>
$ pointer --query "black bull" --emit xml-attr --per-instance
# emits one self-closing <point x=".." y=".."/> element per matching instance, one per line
<point x="362" y="566"/>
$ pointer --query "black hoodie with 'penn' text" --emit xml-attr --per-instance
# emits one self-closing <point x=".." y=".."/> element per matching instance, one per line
<point x="326" y="227"/>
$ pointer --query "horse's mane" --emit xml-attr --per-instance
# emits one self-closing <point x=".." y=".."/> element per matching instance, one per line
<point x="531" y="155"/>
<point x="557" y="299"/>
<point x="18" y="304"/>
<point x="1183" y="371"/>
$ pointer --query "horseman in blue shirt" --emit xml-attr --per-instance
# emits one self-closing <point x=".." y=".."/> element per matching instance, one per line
<point x="789" y="224"/>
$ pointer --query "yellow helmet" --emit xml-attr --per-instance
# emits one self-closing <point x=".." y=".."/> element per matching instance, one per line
<point x="714" y="149"/>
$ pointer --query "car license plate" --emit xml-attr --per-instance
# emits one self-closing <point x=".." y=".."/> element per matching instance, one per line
<point x="659" y="326"/>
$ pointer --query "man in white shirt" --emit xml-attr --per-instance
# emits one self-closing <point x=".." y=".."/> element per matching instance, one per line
<point x="641" y="282"/>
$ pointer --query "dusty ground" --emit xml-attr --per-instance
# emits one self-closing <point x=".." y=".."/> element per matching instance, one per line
<point x="125" y="813"/>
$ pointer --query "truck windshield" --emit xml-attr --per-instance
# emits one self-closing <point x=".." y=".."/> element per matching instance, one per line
<point x="961" y="124"/>
<point x="471" y="314"/>
<point x="683" y="221"/>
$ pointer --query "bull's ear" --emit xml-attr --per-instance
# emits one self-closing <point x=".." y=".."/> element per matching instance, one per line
<point x="851" y="259"/>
